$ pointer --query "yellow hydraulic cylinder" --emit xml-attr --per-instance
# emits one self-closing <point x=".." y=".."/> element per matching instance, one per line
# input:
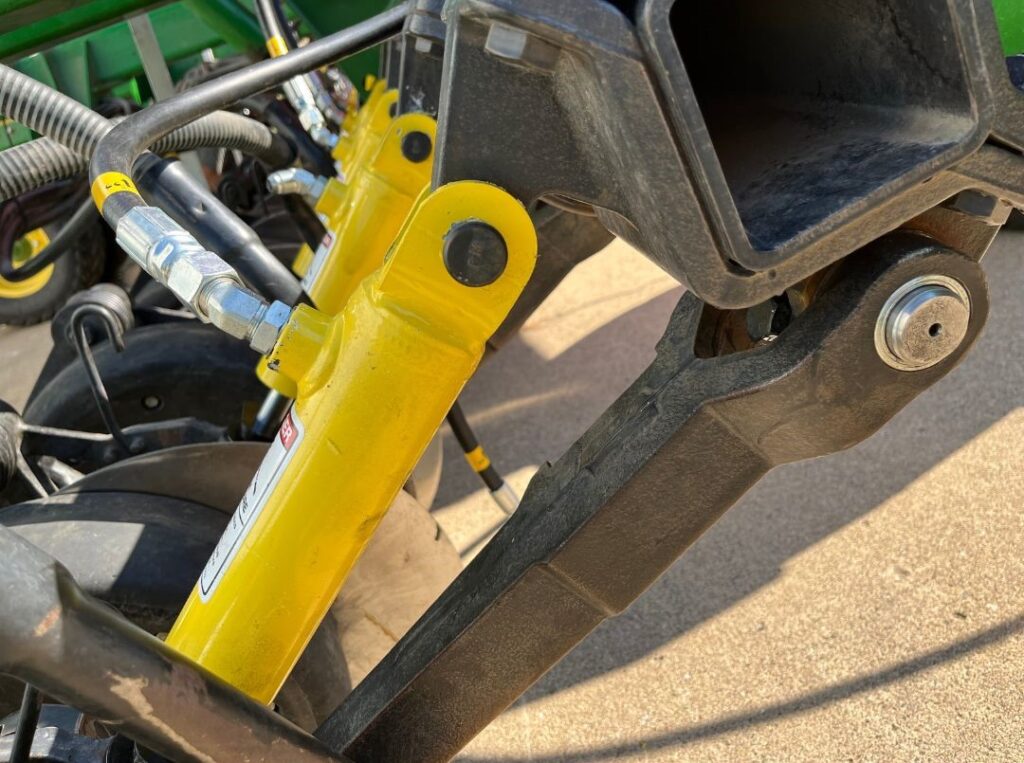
<point x="363" y="218"/>
<point x="361" y="134"/>
<point x="375" y="203"/>
<point x="371" y="121"/>
<point x="373" y="385"/>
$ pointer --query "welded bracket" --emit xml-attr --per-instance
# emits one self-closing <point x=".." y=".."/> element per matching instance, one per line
<point x="595" y="529"/>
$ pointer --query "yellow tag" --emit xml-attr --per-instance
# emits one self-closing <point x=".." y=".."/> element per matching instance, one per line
<point x="478" y="459"/>
<point x="108" y="184"/>
<point x="276" y="45"/>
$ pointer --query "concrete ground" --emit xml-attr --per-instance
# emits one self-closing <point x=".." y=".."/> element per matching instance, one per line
<point x="861" y="607"/>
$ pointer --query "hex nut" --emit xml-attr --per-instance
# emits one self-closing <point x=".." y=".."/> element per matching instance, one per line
<point x="190" y="274"/>
<point x="269" y="326"/>
<point x="230" y="307"/>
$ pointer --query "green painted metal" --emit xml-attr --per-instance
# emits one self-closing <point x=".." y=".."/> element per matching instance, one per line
<point x="93" y="64"/>
<point x="237" y="25"/>
<point x="33" y="27"/>
<point x="215" y="21"/>
<point x="1010" y="17"/>
<point x="85" y="48"/>
<point x="12" y="133"/>
<point x="106" y="62"/>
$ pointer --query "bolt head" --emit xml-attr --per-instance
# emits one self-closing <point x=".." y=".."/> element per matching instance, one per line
<point x="475" y="253"/>
<point x="416" y="146"/>
<point x="923" y="322"/>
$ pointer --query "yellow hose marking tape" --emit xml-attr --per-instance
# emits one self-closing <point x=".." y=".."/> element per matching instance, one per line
<point x="277" y="46"/>
<point x="108" y="184"/>
<point x="478" y="459"/>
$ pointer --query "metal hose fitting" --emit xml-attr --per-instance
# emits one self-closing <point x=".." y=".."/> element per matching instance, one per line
<point x="199" y="278"/>
<point x="297" y="180"/>
<point x="300" y="95"/>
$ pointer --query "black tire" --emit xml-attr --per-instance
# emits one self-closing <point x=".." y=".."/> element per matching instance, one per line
<point x="142" y="553"/>
<point x="189" y="369"/>
<point x="76" y="270"/>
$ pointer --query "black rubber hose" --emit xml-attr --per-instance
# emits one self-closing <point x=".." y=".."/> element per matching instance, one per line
<point x="274" y="24"/>
<point x="34" y="164"/>
<point x="59" y="117"/>
<point x="286" y="30"/>
<point x="306" y="220"/>
<point x="28" y="717"/>
<point x="84" y="217"/>
<point x="168" y="185"/>
<point x="37" y="208"/>
<point x="120" y="147"/>
<point x="282" y="119"/>
<point x="467" y="440"/>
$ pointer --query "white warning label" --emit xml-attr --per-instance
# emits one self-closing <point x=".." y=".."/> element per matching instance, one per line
<point x="319" y="258"/>
<point x="267" y="476"/>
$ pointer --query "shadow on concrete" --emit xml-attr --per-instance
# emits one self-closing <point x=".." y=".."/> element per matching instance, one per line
<point x="813" y="700"/>
<point x="793" y="508"/>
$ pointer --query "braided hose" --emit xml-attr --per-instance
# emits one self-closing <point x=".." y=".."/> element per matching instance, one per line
<point x="81" y="130"/>
<point x="31" y="165"/>
<point x="49" y="112"/>
<point x="222" y="129"/>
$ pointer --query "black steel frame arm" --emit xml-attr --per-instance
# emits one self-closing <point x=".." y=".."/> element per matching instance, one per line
<point x="727" y="159"/>
<point x="595" y="529"/>
<point x="85" y="654"/>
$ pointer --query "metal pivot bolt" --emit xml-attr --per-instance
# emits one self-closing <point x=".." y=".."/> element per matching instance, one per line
<point x="416" y="146"/>
<point x="475" y="254"/>
<point x="923" y="322"/>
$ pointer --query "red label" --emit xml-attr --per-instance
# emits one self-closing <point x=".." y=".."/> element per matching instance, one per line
<point x="288" y="432"/>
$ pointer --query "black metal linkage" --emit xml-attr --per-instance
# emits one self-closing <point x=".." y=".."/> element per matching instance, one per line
<point x="595" y="529"/>
<point x="85" y="654"/>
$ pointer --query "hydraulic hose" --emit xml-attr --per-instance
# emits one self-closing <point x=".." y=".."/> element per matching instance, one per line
<point x="168" y="184"/>
<point x="116" y="153"/>
<point x="285" y="29"/>
<point x="82" y="130"/>
<point x="300" y="90"/>
<point x="323" y="98"/>
<point x="501" y="492"/>
<point x="84" y="217"/>
<point x="283" y="120"/>
<point x="34" y="164"/>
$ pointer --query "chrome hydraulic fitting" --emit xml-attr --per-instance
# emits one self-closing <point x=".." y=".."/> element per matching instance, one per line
<point x="303" y="100"/>
<point x="506" y="498"/>
<point x="297" y="180"/>
<point x="200" y="279"/>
